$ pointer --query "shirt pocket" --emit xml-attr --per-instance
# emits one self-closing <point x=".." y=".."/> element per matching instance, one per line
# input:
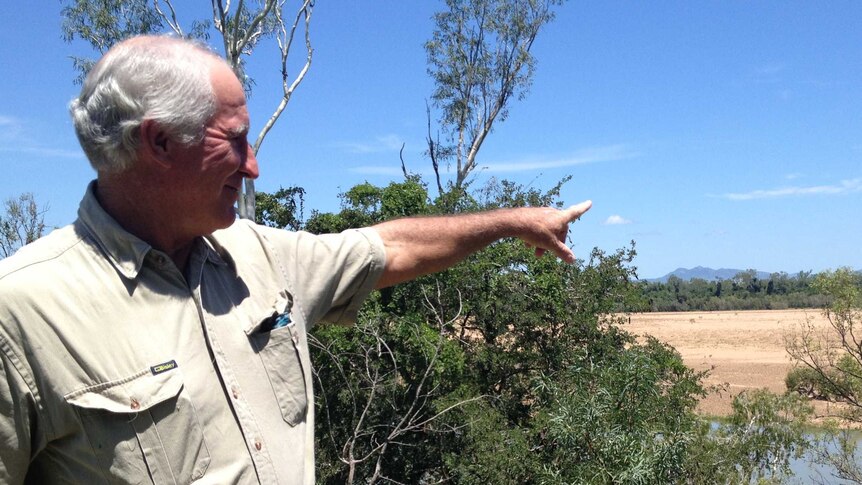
<point x="143" y="428"/>
<point x="281" y="354"/>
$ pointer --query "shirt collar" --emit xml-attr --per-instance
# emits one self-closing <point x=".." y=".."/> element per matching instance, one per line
<point x="214" y="252"/>
<point x="123" y="249"/>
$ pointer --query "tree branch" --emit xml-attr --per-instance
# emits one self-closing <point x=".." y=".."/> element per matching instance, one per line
<point x="172" y="21"/>
<point x="285" y="41"/>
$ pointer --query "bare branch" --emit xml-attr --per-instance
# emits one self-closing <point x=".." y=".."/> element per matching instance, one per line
<point x="433" y="151"/>
<point x="381" y="383"/>
<point x="252" y="32"/>
<point x="285" y="39"/>
<point x="172" y="21"/>
<point x="220" y="12"/>
<point x="401" y="157"/>
<point x="234" y="36"/>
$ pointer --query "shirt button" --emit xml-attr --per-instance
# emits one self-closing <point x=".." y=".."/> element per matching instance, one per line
<point x="258" y="445"/>
<point x="235" y="392"/>
<point x="135" y="404"/>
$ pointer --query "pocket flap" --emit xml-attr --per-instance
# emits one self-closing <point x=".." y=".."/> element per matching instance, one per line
<point x="131" y="394"/>
<point x="282" y="303"/>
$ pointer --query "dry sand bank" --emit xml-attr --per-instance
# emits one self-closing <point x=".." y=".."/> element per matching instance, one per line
<point x="745" y="349"/>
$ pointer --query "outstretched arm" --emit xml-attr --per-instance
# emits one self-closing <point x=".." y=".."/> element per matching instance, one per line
<point x="420" y="245"/>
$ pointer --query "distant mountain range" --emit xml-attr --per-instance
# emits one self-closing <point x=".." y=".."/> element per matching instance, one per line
<point x="707" y="274"/>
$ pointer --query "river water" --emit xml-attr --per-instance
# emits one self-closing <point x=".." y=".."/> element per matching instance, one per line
<point x="807" y="472"/>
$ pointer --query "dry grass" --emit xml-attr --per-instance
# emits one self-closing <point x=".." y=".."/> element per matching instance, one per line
<point x="744" y="349"/>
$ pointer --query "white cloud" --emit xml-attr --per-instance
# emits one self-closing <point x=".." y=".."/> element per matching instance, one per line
<point x="770" y="73"/>
<point x="793" y="176"/>
<point x="616" y="220"/>
<point x="844" y="187"/>
<point x="10" y="127"/>
<point x="44" y="152"/>
<point x="17" y="139"/>
<point x="770" y="68"/>
<point x="588" y="155"/>
<point x="385" y="143"/>
<point x="378" y="170"/>
<point x="608" y="153"/>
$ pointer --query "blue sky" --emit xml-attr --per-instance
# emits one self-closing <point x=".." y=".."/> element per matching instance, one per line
<point x="722" y="134"/>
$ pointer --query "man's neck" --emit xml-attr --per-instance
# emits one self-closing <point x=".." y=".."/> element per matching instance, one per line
<point x="143" y="213"/>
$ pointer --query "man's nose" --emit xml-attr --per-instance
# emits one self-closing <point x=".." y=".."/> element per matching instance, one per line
<point x="249" y="167"/>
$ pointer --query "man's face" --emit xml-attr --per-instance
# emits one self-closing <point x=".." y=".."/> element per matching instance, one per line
<point x="211" y="173"/>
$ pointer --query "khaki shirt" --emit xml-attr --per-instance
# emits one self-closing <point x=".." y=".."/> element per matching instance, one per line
<point x="117" y="368"/>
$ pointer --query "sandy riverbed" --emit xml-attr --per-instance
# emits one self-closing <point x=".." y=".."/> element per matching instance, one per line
<point x="745" y="349"/>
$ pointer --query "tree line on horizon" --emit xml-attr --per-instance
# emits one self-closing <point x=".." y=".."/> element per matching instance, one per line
<point x="745" y="291"/>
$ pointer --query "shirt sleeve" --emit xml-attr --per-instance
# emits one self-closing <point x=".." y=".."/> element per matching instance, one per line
<point x="331" y="274"/>
<point x="17" y="423"/>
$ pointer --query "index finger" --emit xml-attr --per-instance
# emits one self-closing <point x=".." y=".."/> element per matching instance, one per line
<point x="577" y="210"/>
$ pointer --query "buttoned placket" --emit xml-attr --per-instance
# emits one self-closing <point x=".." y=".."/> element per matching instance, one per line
<point x="242" y="410"/>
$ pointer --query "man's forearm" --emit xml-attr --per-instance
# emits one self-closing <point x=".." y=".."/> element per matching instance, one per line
<point x="421" y="245"/>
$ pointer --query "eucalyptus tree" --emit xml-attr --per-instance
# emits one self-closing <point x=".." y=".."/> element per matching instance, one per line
<point x="829" y="366"/>
<point x="480" y="59"/>
<point x="23" y="223"/>
<point x="240" y="24"/>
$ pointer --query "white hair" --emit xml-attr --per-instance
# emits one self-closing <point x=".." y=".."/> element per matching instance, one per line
<point x="163" y="79"/>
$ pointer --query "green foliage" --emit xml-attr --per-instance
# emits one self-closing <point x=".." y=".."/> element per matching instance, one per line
<point x="403" y="199"/>
<point x="755" y="445"/>
<point x="105" y="23"/>
<point x="506" y="368"/>
<point x="743" y="292"/>
<point x="838" y="448"/>
<point x="476" y="44"/>
<point x="513" y="369"/>
<point x="23" y="223"/>
<point x="808" y="382"/>
<point x="376" y="381"/>
<point x="832" y="363"/>
<point x="282" y="209"/>
<point x="834" y="358"/>
<point x="625" y="418"/>
<point x="844" y="288"/>
<point x="366" y="204"/>
<point x="765" y="431"/>
<point x="479" y="58"/>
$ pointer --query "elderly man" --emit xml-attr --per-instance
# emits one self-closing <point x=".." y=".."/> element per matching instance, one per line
<point x="159" y="340"/>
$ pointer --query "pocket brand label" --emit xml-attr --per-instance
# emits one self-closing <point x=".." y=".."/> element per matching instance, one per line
<point x="164" y="367"/>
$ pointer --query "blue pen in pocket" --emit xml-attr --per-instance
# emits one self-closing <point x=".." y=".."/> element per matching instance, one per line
<point x="282" y="320"/>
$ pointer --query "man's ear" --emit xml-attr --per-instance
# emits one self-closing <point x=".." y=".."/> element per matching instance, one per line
<point x="155" y="143"/>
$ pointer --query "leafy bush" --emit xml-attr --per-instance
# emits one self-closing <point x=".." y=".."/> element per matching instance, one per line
<point x="833" y="359"/>
<point x="756" y="443"/>
<point x="509" y="369"/>
<point x="503" y="369"/>
<point x="808" y="382"/>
